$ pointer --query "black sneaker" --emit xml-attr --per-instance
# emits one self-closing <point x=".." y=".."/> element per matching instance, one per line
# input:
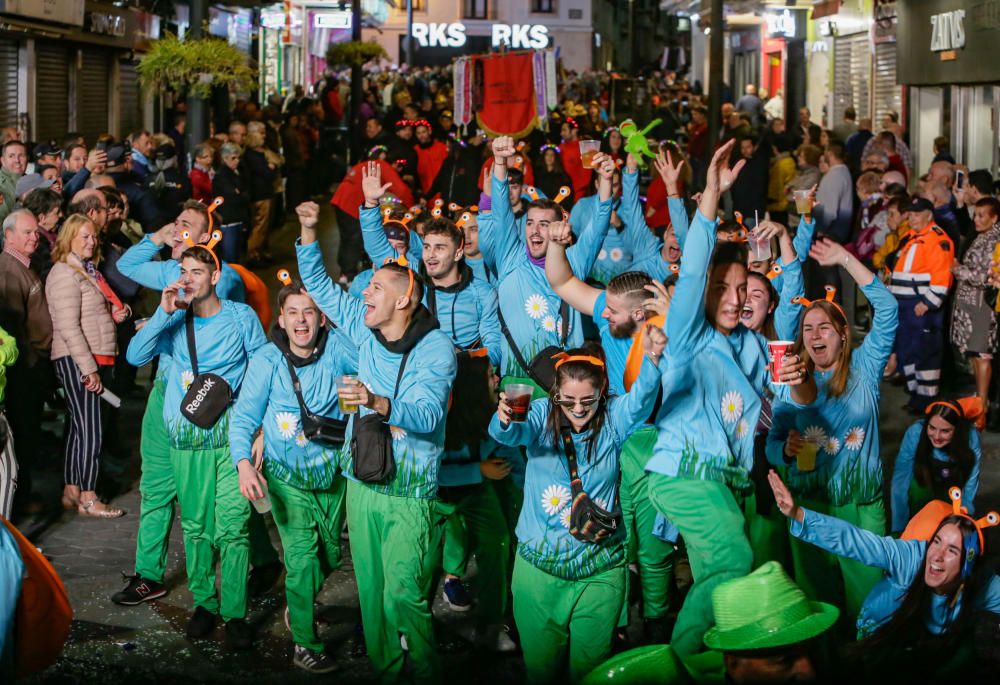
<point x="313" y="662"/>
<point x="138" y="590"/>
<point x="201" y="623"/>
<point x="263" y="578"/>
<point x="239" y="634"/>
<point x="456" y="596"/>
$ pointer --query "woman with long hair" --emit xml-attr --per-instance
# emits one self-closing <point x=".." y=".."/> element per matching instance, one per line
<point x="613" y="144"/>
<point x="550" y="175"/>
<point x="937" y="452"/>
<point x="917" y="622"/>
<point x="570" y="572"/>
<point x="841" y="428"/>
<point x="84" y="312"/>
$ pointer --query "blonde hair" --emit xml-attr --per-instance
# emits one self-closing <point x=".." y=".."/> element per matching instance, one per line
<point x="254" y="140"/>
<point x="838" y="379"/>
<point x="67" y="234"/>
<point x="869" y="183"/>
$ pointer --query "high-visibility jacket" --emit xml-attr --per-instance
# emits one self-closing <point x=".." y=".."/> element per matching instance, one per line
<point x="923" y="268"/>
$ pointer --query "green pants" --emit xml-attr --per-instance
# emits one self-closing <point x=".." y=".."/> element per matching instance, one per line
<point x="768" y="534"/>
<point x="654" y="557"/>
<point x="565" y="624"/>
<point x="478" y="527"/>
<point x="309" y="523"/>
<point x="712" y="523"/>
<point x="820" y="574"/>
<point x="157" y="490"/>
<point x="392" y="545"/>
<point x="214" y="517"/>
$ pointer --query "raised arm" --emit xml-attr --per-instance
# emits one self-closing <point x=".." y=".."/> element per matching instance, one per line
<point x="788" y="313"/>
<point x="137" y="262"/>
<point x="376" y="244"/>
<point x="637" y="234"/>
<point x="519" y="433"/>
<point x="150" y="340"/>
<point x="498" y="237"/>
<point x="902" y="476"/>
<point x="583" y="255"/>
<point x="671" y="174"/>
<point x="576" y="293"/>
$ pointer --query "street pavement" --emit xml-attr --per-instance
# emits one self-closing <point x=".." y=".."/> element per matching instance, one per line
<point x="119" y="645"/>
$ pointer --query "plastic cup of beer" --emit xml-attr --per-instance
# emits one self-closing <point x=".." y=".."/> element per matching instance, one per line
<point x="776" y="351"/>
<point x="343" y="383"/>
<point x="760" y="249"/>
<point x="588" y="149"/>
<point x="262" y="505"/>
<point x="519" y="400"/>
<point x="803" y="202"/>
<point x="805" y="458"/>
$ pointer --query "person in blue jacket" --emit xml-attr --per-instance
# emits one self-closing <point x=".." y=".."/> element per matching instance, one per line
<point x="406" y="368"/>
<point x="156" y="486"/>
<point x="700" y="471"/>
<point x="616" y="254"/>
<point x="569" y="586"/>
<point x="937" y="452"/>
<point x="659" y="257"/>
<point x="401" y="240"/>
<point x="842" y="426"/>
<point x="214" y="516"/>
<point x="299" y="473"/>
<point x="917" y="623"/>
<point x="529" y="308"/>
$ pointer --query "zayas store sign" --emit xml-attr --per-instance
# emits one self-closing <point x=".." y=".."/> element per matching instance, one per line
<point x="948" y="31"/>
<point x="947" y="42"/>
<point x="515" y="36"/>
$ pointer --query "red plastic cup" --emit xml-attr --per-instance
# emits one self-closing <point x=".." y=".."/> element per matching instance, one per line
<point x="777" y="349"/>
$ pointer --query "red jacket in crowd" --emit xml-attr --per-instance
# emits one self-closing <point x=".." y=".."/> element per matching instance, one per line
<point x="349" y="195"/>
<point x="201" y="185"/>
<point x="429" y="161"/>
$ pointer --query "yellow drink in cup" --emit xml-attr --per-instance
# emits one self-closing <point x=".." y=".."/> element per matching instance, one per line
<point x="588" y="150"/>
<point x="345" y="382"/>
<point x="803" y="203"/>
<point x="805" y="458"/>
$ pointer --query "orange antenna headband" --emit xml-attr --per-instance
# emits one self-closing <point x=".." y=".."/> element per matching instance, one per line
<point x="284" y="277"/>
<point x="561" y="195"/>
<point x="831" y="292"/>
<point x="969" y="408"/>
<point x="774" y="272"/>
<point x="401" y="261"/>
<point x="210" y="247"/>
<point x="991" y="519"/>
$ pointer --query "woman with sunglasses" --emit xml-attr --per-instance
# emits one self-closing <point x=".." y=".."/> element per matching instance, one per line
<point x="937" y="452"/>
<point x="831" y="448"/>
<point x="918" y="621"/>
<point x="570" y="575"/>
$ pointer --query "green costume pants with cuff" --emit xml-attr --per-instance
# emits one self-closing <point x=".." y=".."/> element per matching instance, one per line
<point x="654" y="557"/>
<point x="478" y="527"/>
<point x="565" y="624"/>
<point x="158" y="492"/>
<point x="818" y="573"/>
<point x="393" y="543"/>
<point x="309" y="523"/>
<point x="214" y="516"/>
<point x="711" y="520"/>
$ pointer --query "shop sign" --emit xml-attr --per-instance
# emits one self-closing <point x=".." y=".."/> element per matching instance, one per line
<point x="59" y="11"/>
<point x="948" y="31"/>
<point x="780" y="24"/>
<point x="332" y="20"/>
<point x="884" y="26"/>
<point x="516" y="36"/>
<point x="107" y="24"/>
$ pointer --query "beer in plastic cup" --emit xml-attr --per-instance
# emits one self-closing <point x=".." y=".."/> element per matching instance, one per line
<point x="262" y="505"/>
<point x="805" y="458"/>
<point x="344" y="382"/>
<point x="803" y="202"/>
<point x="519" y="400"/>
<point x="776" y="351"/>
<point x="760" y="250"/>
<point x="588" y="149"/>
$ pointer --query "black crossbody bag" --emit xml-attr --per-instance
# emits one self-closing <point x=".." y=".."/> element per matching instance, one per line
<point x="371" y="443"/>
<point x="322" y="430"/>
<point x="542" y="368"/>
<point x="209" y="395"/>
<point x="588" y="522"/>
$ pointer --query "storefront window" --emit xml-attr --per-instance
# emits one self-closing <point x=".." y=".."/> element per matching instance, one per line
<point x="475" y="9"/>
<point x="928" y="123"/>
<point x="976" y="135"/>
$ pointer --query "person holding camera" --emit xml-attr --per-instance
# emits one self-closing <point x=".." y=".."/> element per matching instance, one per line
<point x="406" y="369"/>
<point x="209" y="342"/>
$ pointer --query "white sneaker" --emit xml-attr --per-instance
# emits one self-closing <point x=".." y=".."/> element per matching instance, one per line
<point x="495" y="639"/>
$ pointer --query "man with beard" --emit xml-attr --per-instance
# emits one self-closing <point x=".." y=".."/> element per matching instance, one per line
<point x="430" y="155"/>
<point x="13" y="162"/>
<point x="294" y="374"/>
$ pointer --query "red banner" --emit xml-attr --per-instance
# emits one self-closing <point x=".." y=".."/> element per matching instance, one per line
<point x="508" y="96"/>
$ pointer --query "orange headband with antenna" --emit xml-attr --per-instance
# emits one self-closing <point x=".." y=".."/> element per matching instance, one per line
<point x="969" y="408"/>
<point x="284" y="277"/>
<point x="401" y="261"/>
<point x="991" y="519"/>
<point x="831" y="293"/>
<point x="209" y="248"/>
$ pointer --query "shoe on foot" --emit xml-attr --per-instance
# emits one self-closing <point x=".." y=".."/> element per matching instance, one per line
<point x="456" y="596"/>
<point x="138" y="590"/>
<point x="495" y="638"/>
<point x="239" y="634"/>
<point x="312" y="661"/>
<point x="263" y="578"/>
<point x="201" y="623"/>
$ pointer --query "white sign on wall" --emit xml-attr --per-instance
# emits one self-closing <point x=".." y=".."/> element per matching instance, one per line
<point x="948" y="31"/>
<point x="516" y="36"/>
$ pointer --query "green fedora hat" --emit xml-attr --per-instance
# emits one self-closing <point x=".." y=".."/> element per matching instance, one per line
<point x="763" y="610"/>
<point x="649" y="665"/>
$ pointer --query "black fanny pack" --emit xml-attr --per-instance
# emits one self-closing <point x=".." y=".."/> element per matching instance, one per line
<point x="371" y="443"/>
<point x="588" y="522"/>
<point x="541" y="369"/>
<point x="209" y="395"/>
<point x="322" y="430"/>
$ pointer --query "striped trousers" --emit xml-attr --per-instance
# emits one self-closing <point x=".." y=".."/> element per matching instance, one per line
<point x="85" y="435"/>
<point x="8" y="468"/>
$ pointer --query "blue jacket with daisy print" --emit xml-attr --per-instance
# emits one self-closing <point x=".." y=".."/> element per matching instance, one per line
<point x="224" y="344"/>
<point x="267" y="399"/>
<point x="647" y="248"/>
<point x="418" y="411"/>
<point x="848" y="467"/>
<point x="901" y="560"/>
<point x="543" y="534"/>
<point x="527" y="302"/>
<point x="615" y="255"/>
<point x="712" y="387"/>
<point x="902" y="473"/>
<point x="467" y="313"/>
